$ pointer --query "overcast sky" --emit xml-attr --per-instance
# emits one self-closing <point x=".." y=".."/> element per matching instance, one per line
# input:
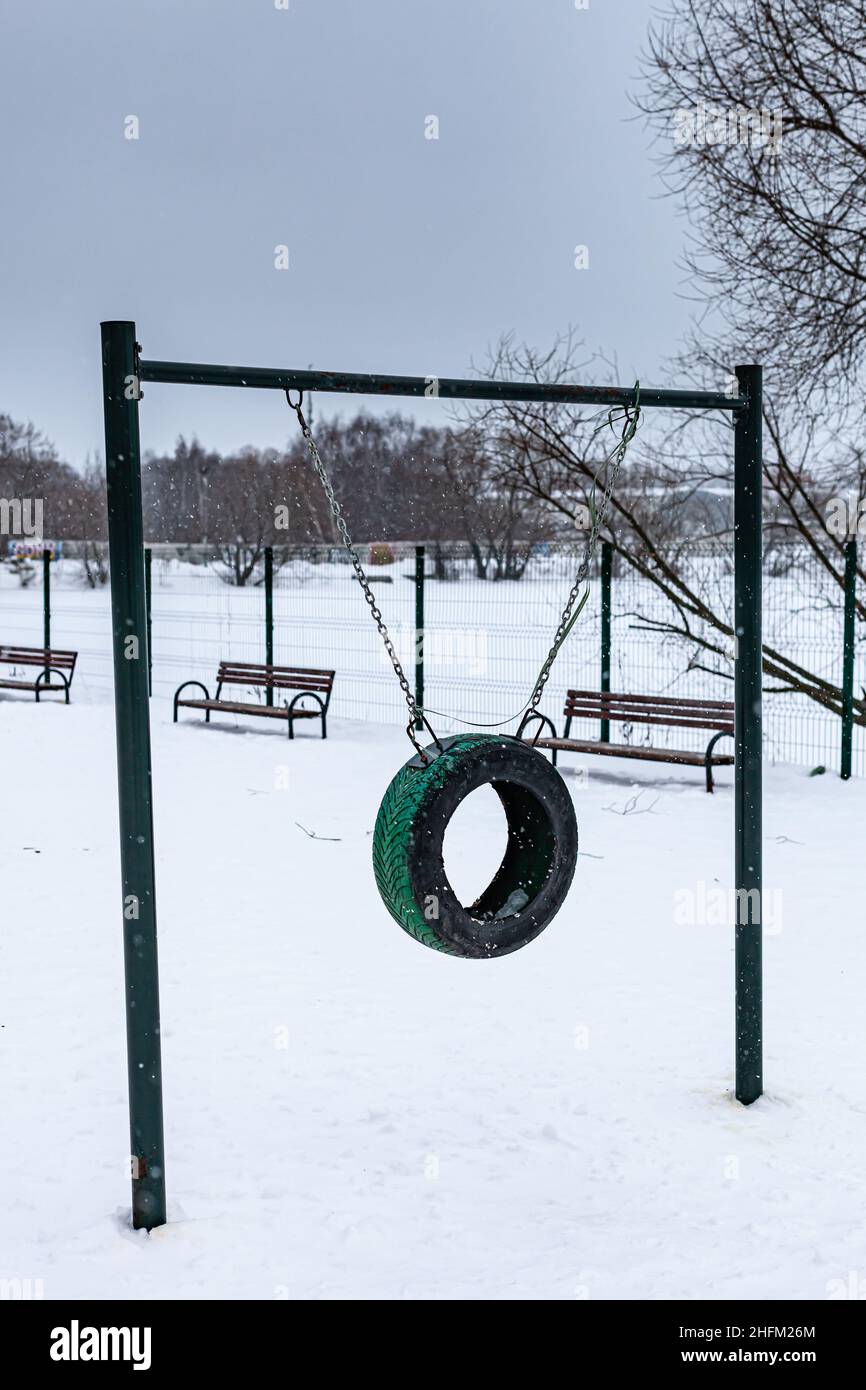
<point x="306" y="127"/>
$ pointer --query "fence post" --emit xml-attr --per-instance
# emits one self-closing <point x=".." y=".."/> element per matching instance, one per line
<point x="748" y="564"/>
<point x="420" y="554"/>
<point x="138" y="907"/>
<point x="147" y="604"/>
<point x="46" y="604"/>
<point x="269" y="616"/>
<point x="606" y="572"/>
<point x="848" y="658"/>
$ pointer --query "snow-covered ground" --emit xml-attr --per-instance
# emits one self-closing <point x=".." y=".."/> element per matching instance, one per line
<point x="349" y="1114"/>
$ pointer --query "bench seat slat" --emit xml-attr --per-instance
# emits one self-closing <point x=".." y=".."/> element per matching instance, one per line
<point x="606" y="697"/>
<point x="238" y="707"/>
<point x="272" y="683"/>
<point x="277" y="674"/>
<point x="668" y="721"/>
<point x="691" y="710"/>
<point x="37" y="656"/>
<point x="263" y="666"/>
<point x="9" y="684"/>
<point x="254" y="668"/>
<point x="629" y="750"/>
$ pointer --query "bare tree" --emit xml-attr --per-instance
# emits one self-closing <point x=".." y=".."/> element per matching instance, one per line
<point x="552" y="453"/>
<point x="759" y="108"/>
<point x="177" y="492"/>
<point x="760" y="111"/>
<point x="242" y="513"/>
<point x="498" y="519"/>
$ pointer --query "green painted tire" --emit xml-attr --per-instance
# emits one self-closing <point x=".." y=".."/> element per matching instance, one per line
<point x="534" y="877"/>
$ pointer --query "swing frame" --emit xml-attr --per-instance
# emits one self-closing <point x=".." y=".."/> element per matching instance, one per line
<point x="123" y="373"/>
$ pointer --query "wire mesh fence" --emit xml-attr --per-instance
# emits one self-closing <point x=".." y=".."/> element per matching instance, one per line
<point x="484" y="639"/>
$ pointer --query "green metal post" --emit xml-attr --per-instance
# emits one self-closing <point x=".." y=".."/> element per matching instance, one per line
<point x="606" y="572"/>
<point x="848" y="658"/>
<point x="420" y="554"/>
<point x="129" y="624"/>
<point x="46" y="604"/>
<point x="269" y="616"/>
<point x="747" y="766"/>
<point x="148" y="600"/>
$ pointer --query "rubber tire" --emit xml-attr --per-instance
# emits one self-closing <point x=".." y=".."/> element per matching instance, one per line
<point x="540" y="856"/>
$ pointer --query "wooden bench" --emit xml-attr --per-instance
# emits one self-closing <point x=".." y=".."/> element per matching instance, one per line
<point x="309" y="684"/>
<point x="664" y="710"/>
<point x="50" y="663"/>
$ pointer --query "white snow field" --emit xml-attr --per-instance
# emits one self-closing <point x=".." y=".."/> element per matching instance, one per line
<point x="349" y="1114"/>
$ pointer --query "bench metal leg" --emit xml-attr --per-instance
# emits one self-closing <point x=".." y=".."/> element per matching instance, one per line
<point x="40" y="689"/>
<point x="199" y="686"/>
<point x="708" y="756"/>
<point x="542" y="720"/>
<point x="304" y="695"/>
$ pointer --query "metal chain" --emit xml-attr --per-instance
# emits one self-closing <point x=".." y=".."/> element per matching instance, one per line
<point x="416" y="715"/>
<point x="569" y="613"/>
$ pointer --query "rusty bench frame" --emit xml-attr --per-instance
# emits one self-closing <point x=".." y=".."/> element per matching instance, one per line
<point x="307" y="681"/>
<point x="668" y="711"/>
<point x="50" y="660"/>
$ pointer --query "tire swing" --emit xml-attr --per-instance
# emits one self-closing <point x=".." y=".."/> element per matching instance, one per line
<point x="532" y="882"/>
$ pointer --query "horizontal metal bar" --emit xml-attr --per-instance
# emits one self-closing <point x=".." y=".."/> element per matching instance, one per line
<point x="446" y="388"/>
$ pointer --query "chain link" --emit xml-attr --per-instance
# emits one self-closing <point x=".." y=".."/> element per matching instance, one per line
<point x="416" y="715"/>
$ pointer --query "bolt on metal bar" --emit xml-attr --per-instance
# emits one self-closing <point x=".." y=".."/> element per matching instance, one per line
<point x="446" y="388"/>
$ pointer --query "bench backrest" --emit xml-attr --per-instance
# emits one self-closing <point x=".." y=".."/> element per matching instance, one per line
<point x="650" y="709"/>
<point x="276" y="677"/>
<point x="38" y="656"/>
